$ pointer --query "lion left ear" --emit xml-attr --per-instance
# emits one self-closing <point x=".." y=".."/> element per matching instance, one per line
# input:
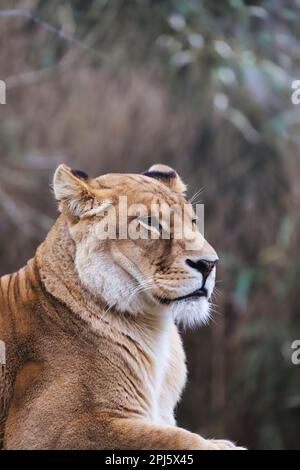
<point x="166" y="175"/>
<point x="72" y="190"/>
<point x="75" y="194"/>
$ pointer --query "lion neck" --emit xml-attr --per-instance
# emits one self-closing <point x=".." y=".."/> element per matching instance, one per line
<point x="55" y="260"/>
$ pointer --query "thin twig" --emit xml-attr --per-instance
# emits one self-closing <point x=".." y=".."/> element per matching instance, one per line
<point x="52" y="29"/>
<point x="34" y="76"/>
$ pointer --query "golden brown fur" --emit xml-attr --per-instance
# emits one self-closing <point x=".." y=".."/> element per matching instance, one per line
<point x="79" y="375"/>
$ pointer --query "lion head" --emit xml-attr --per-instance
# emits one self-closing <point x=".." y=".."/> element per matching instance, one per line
<point x="128" y="251"/>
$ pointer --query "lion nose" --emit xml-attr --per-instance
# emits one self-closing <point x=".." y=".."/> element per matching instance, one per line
<point x="204" y="266"/>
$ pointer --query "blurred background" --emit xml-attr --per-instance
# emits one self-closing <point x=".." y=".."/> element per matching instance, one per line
<point x="204" y="86"/>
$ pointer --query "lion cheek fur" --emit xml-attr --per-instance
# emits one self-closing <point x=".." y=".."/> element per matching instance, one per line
<point x="105" y="279"/>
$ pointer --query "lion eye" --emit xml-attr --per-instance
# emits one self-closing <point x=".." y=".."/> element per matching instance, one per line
<point x="151" y="222"/>
<point x="194" y="221"/>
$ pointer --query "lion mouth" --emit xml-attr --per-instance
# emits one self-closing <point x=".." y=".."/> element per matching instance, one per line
<point x="202" y="292"/>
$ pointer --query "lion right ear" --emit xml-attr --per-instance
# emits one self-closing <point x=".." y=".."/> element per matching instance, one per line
<point x="166" y="175"/>
<point x="73" y="191"/>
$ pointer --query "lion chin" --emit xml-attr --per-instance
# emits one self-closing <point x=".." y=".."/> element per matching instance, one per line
<point x="191" y="313"/>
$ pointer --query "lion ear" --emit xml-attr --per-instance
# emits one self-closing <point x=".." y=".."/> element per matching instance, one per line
<point x="72" y="190"/>
<point x="166" y="175"/>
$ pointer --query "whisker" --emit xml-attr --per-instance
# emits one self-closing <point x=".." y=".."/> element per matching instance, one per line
<point x="197" y="193"/>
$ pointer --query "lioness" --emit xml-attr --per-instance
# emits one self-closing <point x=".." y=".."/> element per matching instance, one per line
<point x="94" y="359"/>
